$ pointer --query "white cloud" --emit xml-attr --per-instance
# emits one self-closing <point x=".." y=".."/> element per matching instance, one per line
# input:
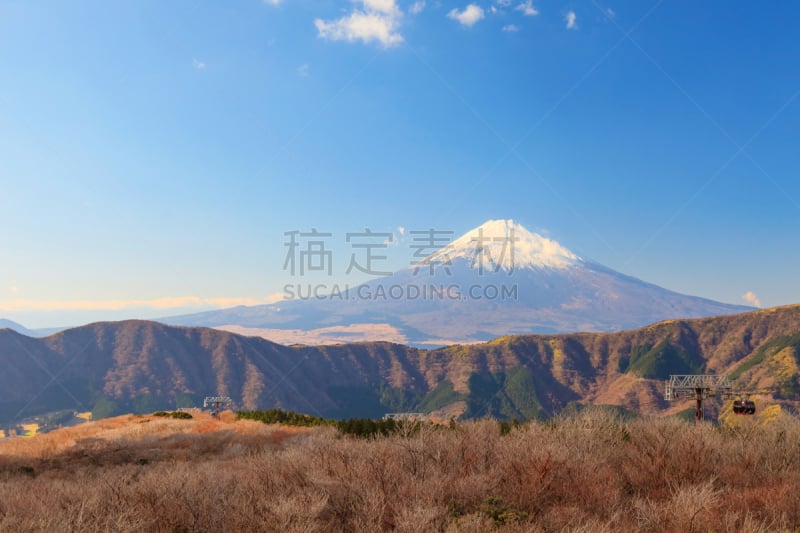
<point x="273" y="2"/>
<point x="199" y="65"/>
<point x="511" y="28"/>
<point x="527" y="8"/>
<point x="571" y="20"/>
<point x="610" y="13"/>
<point x="303" y="70"/>
<point x="275" y="297"/>
<point x="504" y="3"/>
<point x="469" y="16"/>
<point x="417" y="7"/>
<point x="382" y="6"/>
<point x="751" y="298"/>
<point x="378" y="21"/>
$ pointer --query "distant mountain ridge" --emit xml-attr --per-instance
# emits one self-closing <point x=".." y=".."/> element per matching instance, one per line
<point x="145" y="366"/>
<point x="508" y="281"/>
<point x="19" y="328"/>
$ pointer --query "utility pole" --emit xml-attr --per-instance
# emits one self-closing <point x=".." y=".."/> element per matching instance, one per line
<point x="699" y="412"/>
<point x="699" y="387"/>
<point x="217" y="403"/>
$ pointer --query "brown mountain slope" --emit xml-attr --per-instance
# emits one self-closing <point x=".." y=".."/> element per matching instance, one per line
<point x="143" y="366"/>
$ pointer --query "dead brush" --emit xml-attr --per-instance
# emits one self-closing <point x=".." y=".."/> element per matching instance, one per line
<point x="595" y="473"/>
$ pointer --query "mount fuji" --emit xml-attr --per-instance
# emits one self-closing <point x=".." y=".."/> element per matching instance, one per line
<point x="497" y="279"/>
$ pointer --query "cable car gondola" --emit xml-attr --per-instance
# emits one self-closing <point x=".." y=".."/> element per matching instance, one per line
<point x="744" y="406"/>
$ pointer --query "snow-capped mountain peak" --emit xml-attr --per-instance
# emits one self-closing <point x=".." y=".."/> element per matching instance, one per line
<point x="509" y="245"/>
<point x="552" y="291"/>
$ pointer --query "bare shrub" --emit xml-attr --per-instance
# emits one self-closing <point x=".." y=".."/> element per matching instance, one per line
<point x="691" y="506"/>
<point x="590" y="472"/>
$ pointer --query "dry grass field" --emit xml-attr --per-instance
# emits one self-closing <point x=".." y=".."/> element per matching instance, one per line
<point x="590" y="472"/>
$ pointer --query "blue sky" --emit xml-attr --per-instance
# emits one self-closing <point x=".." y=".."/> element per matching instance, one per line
<point x="152" y="154"/>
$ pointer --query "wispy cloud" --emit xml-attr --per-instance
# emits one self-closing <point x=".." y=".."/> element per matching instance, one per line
<point x="571" y="19"/>
<point x="273" y="2"/>
<point x="303" y="70"/>
<point x="199" y="65"/>
<point x="275" y="297"/>
<point x="751" y="298"/>
<point x="119" y="305"/>
<point x="511" y="28"/>
<point x="469" y="16"/>
<point x="417" y="7"/>
<point x="527" y="8"/>
<point x="376" y="21"/>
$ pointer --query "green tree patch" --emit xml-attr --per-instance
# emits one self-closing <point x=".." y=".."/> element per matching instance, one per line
<point x="663" y="360"/>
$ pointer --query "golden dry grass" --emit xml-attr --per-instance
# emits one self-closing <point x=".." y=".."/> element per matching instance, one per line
<point x="132" y="429"/>
<point x="590" y="472"/>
